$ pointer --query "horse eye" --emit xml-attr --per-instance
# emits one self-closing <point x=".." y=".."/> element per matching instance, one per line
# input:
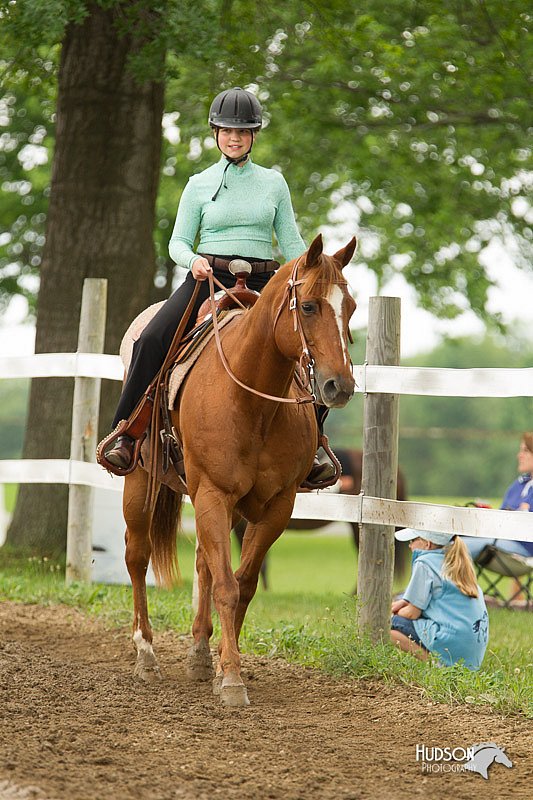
<point x="309" y="308"/>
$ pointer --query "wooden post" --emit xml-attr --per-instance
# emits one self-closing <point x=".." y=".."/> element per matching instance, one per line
<point x="380" y="466"/>
<point x="84" y="431"/>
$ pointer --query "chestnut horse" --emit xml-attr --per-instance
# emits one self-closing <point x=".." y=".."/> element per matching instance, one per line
<point x="245" y="454"/>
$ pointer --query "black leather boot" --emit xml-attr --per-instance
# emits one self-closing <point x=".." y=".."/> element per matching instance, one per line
<point x="121" y="453"/>
<point x="321" y="472"/>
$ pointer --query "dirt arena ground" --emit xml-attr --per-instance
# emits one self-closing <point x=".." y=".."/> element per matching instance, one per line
<point x="74" y="725"/>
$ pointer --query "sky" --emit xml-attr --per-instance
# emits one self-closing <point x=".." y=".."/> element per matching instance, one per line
<point x="421" y="332"/>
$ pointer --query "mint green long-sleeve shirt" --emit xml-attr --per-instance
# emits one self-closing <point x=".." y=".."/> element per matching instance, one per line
<point x="241" y="220"/>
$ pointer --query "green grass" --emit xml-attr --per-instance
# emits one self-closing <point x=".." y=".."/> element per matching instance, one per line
<point x="10" y="496"/>
<point x="308" y="617"/>
<point x="454" y="500"/>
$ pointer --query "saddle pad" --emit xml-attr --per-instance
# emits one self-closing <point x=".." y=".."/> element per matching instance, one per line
<point x="179" y="371"/>
<point x="134" y="331"/>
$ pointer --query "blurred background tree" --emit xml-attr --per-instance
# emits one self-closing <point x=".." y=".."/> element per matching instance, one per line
<point x="408" y="122"/>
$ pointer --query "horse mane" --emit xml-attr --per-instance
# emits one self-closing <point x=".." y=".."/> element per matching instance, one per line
<point x="321" y="277"/>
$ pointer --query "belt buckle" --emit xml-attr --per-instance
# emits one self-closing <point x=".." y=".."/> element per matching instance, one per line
<point x="238" y="265"/>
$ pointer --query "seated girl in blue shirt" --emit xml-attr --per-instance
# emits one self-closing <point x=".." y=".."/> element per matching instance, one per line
<point x="518" y="497"/>
<point x="442" y="610"/>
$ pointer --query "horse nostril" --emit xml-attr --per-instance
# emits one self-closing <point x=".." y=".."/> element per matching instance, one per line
<point x="337" y="390"/>
<point x="331" y="388"/>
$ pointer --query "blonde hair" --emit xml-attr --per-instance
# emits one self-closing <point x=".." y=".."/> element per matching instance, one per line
<point x="458" y="567"/>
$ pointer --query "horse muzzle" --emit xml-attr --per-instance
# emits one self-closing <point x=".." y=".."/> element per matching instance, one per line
<point x="335" y="391"/>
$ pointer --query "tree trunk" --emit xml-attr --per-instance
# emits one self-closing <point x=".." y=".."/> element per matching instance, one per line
<point x="100" y="222"/>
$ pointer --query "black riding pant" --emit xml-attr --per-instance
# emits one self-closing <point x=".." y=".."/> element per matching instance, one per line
<point x="150" y="349"/>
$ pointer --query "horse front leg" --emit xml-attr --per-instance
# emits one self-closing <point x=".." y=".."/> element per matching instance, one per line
<point x="239" y="530"/>
<point x="138" y="551"/>
<point x="213" y="525"/>
<point x="199" y="661"/>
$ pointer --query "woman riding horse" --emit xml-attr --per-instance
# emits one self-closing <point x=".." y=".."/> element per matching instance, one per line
<point x="245" y="453"/>
<point x="234" y="206"/>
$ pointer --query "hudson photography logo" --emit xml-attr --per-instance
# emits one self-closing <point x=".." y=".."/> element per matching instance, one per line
<point x="477" y="758"/>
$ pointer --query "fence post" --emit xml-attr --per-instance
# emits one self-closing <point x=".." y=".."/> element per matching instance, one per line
<point x="84" y="431"/>
<point x="380" y="465"/>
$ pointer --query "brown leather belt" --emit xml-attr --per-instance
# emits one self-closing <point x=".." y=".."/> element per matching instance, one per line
<point x="218" y="262"/>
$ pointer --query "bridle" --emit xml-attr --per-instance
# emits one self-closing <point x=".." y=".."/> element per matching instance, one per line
<point x="305" y="370"/>
<point x="308" y="381"/>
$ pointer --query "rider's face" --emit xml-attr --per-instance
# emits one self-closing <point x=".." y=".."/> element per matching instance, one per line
<point x="234" y="142"/>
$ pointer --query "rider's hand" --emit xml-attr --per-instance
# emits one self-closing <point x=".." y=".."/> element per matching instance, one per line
<point x="200" y="268"/>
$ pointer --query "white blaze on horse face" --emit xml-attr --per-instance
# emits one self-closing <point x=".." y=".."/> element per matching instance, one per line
<point x="336" y="299"/>
<point x="141" y="644"/>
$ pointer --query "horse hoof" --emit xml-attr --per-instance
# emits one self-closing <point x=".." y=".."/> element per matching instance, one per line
<point x="147" y="668"/>
<point x="199" y="673"/>
<point x="147" y="675"/>
<point x="217" y="685"/>
<point x="234" y="696"/>
<point x="199" y="665"/>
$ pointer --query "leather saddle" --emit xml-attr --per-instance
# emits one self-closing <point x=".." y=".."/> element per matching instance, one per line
<point x="239" y="295"/>
<point x="136" y="426"/>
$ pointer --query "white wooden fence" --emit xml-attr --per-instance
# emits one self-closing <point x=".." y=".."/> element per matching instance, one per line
<point x="397" y="380"/>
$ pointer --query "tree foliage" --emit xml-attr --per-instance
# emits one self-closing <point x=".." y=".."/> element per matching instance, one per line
<point x="411" y="121"/>
<point x="26" y="143"/>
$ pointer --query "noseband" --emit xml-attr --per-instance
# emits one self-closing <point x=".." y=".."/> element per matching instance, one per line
<point x="306" y="372"/>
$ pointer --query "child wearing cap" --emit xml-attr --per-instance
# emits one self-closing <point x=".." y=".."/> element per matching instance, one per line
<point x="442" y="610"/>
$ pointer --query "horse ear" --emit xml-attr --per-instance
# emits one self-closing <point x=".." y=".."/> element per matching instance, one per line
<point x="314" y="252"/>
<point x="345" y="255"/>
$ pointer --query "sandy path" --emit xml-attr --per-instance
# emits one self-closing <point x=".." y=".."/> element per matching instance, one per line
<point x="75" y="726"/>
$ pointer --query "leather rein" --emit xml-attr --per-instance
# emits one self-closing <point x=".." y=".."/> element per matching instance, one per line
<point x="306" y="363"/>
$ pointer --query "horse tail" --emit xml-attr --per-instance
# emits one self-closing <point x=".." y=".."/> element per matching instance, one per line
<point x="163" y="537"/>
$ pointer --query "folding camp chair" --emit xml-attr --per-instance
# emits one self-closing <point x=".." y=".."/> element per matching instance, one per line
<point x="494" y="564"/>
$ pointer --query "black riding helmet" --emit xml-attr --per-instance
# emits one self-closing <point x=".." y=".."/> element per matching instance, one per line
<point x="235" y="108"/>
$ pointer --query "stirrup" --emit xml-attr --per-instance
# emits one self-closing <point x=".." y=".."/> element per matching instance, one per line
<point x="307" y="484"/>
<point x="107" y="441"/>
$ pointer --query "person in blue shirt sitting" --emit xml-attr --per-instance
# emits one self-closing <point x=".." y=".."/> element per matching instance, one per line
<point x="518" y="497"/>
<point x="442" y="610"/>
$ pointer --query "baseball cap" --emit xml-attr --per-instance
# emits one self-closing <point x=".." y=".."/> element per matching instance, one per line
<point x="408" y="534"/>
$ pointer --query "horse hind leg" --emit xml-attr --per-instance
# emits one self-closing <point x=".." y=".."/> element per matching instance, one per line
<point x="199" y="665"/>
<point x="138" y="551"/>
